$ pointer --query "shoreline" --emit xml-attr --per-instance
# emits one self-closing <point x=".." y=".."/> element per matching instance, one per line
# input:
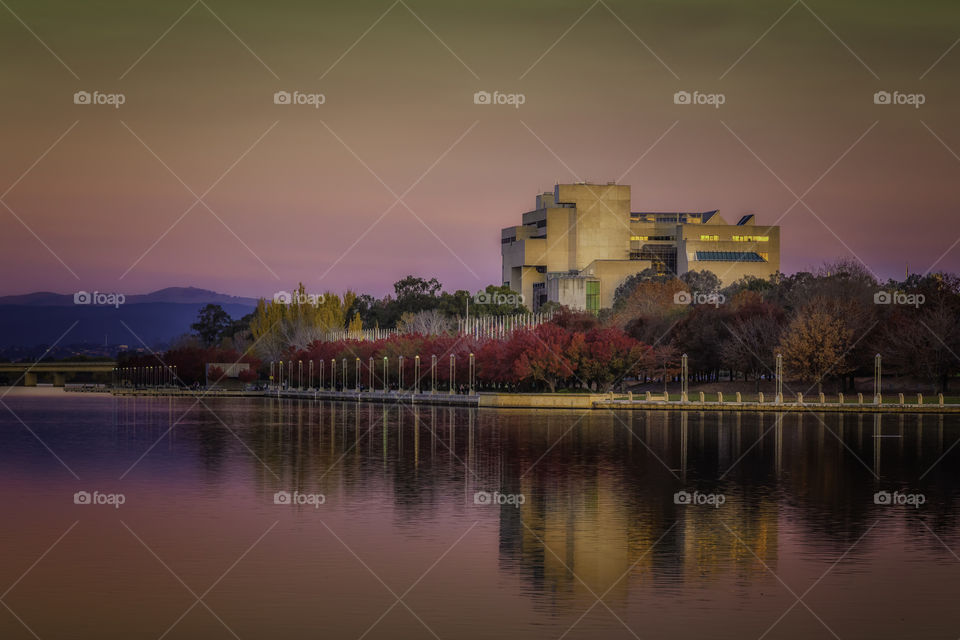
<point x="555" y="401"/>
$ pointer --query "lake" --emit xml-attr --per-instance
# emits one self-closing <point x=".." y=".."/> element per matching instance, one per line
<point x="265" y="518"/>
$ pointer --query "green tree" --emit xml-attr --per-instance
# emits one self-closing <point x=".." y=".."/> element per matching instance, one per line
<point x="212" y="322"/>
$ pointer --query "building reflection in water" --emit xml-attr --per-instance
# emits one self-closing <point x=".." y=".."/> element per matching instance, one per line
<point x="598" y="515"/>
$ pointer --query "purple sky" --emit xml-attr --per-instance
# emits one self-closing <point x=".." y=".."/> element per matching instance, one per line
<point x="309" y="193"/>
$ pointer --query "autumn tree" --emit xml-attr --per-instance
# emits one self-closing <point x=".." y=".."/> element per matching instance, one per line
<point x="817" y="341"/>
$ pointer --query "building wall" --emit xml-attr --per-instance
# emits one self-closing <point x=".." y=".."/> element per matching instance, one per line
<point x="601" y="230"/>
<point x="588" y="230"/>
<point x="570" y="291"/>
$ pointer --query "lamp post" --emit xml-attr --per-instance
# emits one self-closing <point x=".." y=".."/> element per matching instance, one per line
<point x="877" y="371"/>
<point x="416" y="374"/>
<point x="433" y="374"/>
<point x="400" y="374"/>
<point x="453" y="371"/>
<point x="684" y="373"/>
<point x="370" y="374"/>
<point x="310" y="379"/>
<point x="779" y="376"/>
<point x="320" y="381"/>
<point x="280" y="377"/>
<point x="299" y="374"/>
<point x="357" y="377"/>
<point x="386" y="374"/>
<point x="472" y="374"/>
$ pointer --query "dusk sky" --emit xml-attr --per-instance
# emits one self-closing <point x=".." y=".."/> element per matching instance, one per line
<point x="99" y="198"/>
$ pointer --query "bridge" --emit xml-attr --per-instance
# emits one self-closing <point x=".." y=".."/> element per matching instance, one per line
<point x="31" y="372"/>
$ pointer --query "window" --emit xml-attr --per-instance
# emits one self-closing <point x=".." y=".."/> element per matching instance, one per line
<point x="638" y="238"/>
<point x="593" y="296"/>
<point x="764" y="255"/>
<point x="751" y="238"/>
<point x="709" y="238"/>
<point x="729" y="256"/>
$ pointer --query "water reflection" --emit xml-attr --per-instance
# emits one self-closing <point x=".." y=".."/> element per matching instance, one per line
<point x="599" y="486"/>
<point x="599" y="518"/>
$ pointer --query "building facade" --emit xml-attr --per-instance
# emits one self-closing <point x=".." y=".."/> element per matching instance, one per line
<point x="582" y="241"/>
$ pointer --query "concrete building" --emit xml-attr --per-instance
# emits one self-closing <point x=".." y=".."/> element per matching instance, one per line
<point x="582" y="241"/>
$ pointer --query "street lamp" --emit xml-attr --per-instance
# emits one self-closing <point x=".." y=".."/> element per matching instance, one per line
<point x="453" y="371"/>
<point x="472" y="374"/>
<point x="416" y="374"/>
<point x="779" y="376"/>
<point x="684" y="373"/>
<point x="877" y="371"/>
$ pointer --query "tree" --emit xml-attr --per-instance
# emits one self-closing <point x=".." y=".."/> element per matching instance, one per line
<point x="922" y="340"/>
<point x="701" y="281"/>
<point x="542" y="358"/>
<point x="211" y="324"/>
<point x="816" y="342"/>
<point x="625" y="289"/>
<point x="606" y="357"/>
<point x="424" y="323"/>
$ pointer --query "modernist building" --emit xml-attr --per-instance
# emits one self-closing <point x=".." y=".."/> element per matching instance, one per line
<point x="582" y="240"/>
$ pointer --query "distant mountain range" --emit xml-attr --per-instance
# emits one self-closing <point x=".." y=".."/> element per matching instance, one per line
<point x="176" y="295"/>
<point x="155" y="318"/>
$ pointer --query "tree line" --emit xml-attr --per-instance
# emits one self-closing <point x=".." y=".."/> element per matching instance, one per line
<point x="827" y="324"/>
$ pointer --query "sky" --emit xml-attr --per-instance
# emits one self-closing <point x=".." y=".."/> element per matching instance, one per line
<point x="200" y="179"/>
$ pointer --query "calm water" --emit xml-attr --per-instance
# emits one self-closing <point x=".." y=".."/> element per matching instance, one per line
<point x="589" y="542"/>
